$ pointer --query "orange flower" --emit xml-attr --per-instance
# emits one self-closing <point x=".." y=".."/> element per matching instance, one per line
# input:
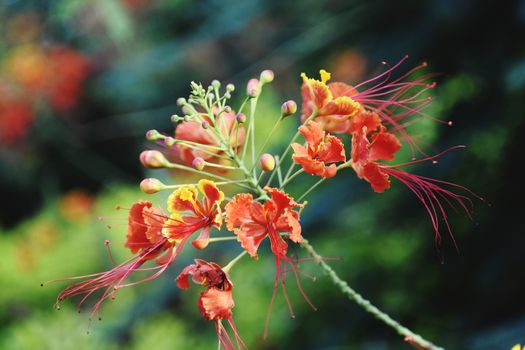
<point x="194" y="132"/>
<point x="144" y="231"/>
<point x="216" y="302"/>
<point x="252" y="222"/>
<point x="144" y="240"/>
<point x="321" y="149"/>
<point x="331" y="102"/>
<point x="188" y="214"/>
<point x="365" y="153"/>
<point x="16" y="117"/>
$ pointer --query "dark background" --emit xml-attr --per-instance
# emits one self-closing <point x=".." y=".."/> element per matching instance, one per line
<point x="69" y="166"/>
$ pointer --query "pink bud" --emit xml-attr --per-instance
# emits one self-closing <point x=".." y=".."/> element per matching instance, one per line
<point x="253" y="89"/>
<point x="266" y="76"/>
<point x="152" y="135"/>
<point x="153" y="159"/>
<point x="205" y="125"/>
<point x="198" y="163"/>
<point x="267" y="162"/>
<point x="288" y="108"/>
<point x="241" y="118"/>
<point x="151" y="186"/>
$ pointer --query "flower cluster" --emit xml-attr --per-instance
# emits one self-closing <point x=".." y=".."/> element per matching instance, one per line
<point x="360" y="127"/>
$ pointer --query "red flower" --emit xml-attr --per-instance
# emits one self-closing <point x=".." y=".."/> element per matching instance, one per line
<point x="16" y="117"/>
<point x="366" y="153"/>
<point x="252" y="222"/>
<point x="321" y="149"/>
<point x="200" y="137"/>
<point x="216" y="302"/>
<point x="369" y="146"/>
<point x="151" y="234"/>
<point x="393" y="100"/>
<point x="333" y="106"/>
<point x="143" y="238"/>
<point x="188" y="214"/>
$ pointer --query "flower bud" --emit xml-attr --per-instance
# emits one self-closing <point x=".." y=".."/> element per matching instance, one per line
<point x="216" y="84"/>
<point x="153" y="159"/>
<point x="198" y="163"/>
<point x="151" y="186"/>
<point x="230" y="87"/>
<point x="205" y="125"/>
<point x="241" y="118"/>
<point x="253" y="89"/>
<point x="266" y="76"/>
<point x="186" y="109"/>
<point x="153" y="135"/>
<point x="169" y="141"/>
<point x="288" y="108"/>
<point x="181" y="101"/>
<point x="175" y="118"/>
<point x="227" y="95"/>
<point x="267" y="162"/>
<point x="227" y="109"/>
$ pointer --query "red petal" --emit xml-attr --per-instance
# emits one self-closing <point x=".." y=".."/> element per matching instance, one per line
<point x="383" y="147"/>
<point x="216" y="304"/>
<point x="136" y="232"/>
<point x="367" y="119"/>
<point x="377" y="178"/>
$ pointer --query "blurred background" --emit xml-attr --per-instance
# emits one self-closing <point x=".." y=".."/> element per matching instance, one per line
<point x="81" y="81"/>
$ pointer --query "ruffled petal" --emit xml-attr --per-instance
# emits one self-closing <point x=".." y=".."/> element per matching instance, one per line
<point x="343" y="106"/>
<point x="332" y="150"/>
<point x="364" y="118"/>
<point x="377" y="178"/>
<point x="238" y="210"/>
<point x="136" y="238"/>
<point x="216" y="304"/>
<point x="383" y="147"/>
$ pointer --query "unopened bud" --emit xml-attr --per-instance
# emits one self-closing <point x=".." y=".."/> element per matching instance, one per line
<point x="175" y="118"/>
<point x="266" y="76"/>
<point x="227" y="109"/>
<point x="241" y="118"/>
<point x="153" y="135"/>
<point x="181" y="101"/>
<point x="186" y="109"/>
<point x="210" y="96"/>
<point x="253" y="89"/>
<point x="216" y="84"/>
<point x="151" y="186"/>
<point x="230" y="87"/>
<point x="288" y="108"/>
<point x="169" y="141"/>
<point x="267" y="162"/>
<point x="205" y="125"/>
<point x="198" y="163"/>
<point x="153" y="159"/>
<point x="227" y="95"/>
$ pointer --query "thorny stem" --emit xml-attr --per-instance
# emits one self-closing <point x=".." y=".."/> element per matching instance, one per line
<point x="410" y="336"/>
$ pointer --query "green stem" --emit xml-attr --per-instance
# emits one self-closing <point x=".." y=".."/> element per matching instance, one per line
<point x="287" y="180"/>
<point x="222" y="239"/>
<point x="410" y="336"/>
<point x="234" y="261"/>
